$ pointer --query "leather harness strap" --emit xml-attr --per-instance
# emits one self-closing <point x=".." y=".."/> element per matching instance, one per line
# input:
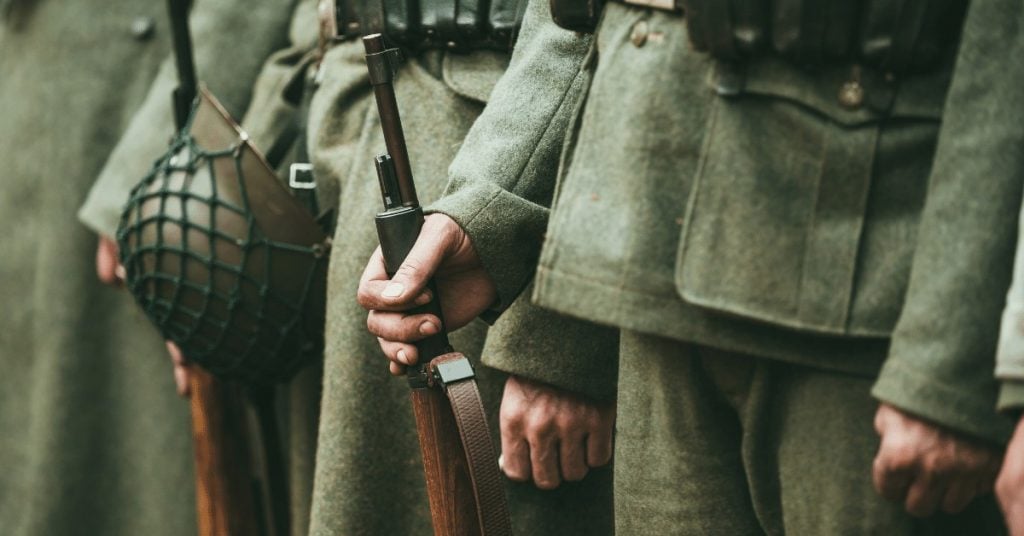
<point x="454" y="373"/>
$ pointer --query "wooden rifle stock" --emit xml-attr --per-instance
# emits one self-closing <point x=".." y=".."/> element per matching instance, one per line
<point x="234" y="431"/>
<point x="225" y="500"/>
<point x="452" y="504"/>
<point x="241" y="487"/>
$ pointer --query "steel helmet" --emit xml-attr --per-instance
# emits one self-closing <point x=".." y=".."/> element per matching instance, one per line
<point x="222" y="258"/>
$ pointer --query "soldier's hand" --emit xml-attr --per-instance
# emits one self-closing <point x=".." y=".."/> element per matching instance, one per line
<point x="444" y="251"/>
<point x="110" y="272"/>
<point x="550" y="435"/>
<point x="108" y="267"/>
<point x="1010" y="485"/>
<point x="927" y="467"/>
<point x="181" y="365"/>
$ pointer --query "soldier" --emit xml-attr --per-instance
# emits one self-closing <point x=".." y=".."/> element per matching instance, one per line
<point x="94" y="440"/>
<point x="353" y="479"/>
<point x="748" y="191"/>
<point x="369" y="477"/>
<point x="246" y="52"/>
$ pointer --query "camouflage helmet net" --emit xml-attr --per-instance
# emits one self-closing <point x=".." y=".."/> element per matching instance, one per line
<point x="222" y="258"/>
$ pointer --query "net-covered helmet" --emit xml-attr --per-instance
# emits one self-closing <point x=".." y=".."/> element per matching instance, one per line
<point x="222" y="258"/>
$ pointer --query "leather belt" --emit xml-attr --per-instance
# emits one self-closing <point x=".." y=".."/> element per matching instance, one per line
<point x="454" y="373"/>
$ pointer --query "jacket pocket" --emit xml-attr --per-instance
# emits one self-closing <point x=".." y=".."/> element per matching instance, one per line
<point x="779" y="209"/>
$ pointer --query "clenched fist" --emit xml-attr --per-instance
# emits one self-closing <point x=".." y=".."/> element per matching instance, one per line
<point x="927" y="467"/>
<point x="550" y="435"/>
<point x="1010" y="485"/>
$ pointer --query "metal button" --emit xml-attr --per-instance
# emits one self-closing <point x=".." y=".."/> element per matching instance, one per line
<point x="851" y="95"/>
<point x="639" y="34"/>
<point x="142" y="28"/>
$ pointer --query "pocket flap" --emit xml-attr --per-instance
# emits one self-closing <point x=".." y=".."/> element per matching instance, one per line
<point x="849" y="94"/>
<point x="474" y="75"/>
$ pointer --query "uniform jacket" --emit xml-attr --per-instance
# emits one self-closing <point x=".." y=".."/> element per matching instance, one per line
<point x="368" y="453"/>
<point x="94" y="439"/>
<point x="752" y="208"/>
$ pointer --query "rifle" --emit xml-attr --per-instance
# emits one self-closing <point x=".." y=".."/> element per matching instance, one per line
<point x="464" y="485"/>
<point x="234" y="429"/>
<point x="225" y="503"/>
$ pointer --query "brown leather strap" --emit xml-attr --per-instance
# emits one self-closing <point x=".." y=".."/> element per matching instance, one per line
<point x="454" y="373"/>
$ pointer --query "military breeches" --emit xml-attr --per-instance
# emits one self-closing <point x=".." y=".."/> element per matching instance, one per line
<point x="712" y="442"/>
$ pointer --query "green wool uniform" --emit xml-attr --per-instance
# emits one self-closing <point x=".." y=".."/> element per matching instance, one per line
<point x="1003" y="132"/>
<point x="369" y="477"/>
<point x="94" y="439"/>
<point x="247" y="54"/>
<point x="778" y="244"/>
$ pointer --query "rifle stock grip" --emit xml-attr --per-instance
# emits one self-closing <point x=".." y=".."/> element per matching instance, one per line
<point x="397" y="230"/>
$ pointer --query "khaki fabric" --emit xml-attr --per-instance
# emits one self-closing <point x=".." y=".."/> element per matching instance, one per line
<point x="763" y="217"/>
<point x="251" y="56"/>
<point x="94" y="440"/>
<point x="231" y="44"/>
<point x="369" y="477"/>
<point x="944" y="343"/>
<point x="724" y="443"/>
<point x="1003" y="137"/>
<point x="542" y="345"/>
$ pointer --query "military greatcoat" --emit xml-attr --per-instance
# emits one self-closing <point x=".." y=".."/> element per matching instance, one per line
<point x="369" y="477"/>
<point x="94" y="439"/>
<point x="247" y="55"/>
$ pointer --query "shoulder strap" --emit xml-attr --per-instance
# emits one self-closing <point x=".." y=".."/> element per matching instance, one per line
<point x="455" y="375"/>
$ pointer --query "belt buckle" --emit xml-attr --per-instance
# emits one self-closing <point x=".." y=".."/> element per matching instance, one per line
<point x="665" y="5"/>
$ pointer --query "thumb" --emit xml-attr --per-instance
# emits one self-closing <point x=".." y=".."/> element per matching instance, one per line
<point x="423" y="260"/>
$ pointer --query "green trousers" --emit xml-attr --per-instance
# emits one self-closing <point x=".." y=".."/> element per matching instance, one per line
<point x="712" y="442"/>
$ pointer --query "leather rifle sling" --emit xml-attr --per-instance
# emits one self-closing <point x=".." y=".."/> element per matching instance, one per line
<point x="454" y="374"/>
<point x="398" y="228"/>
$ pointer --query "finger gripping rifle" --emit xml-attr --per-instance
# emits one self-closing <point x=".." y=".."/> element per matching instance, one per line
<point x="466" y="493"/>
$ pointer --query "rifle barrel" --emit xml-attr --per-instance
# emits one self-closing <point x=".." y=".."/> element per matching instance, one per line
<point x="188" y="83"/>
<point x="390" y="120"/>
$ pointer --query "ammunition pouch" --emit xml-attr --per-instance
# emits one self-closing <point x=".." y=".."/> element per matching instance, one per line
<point x="899" y="37"/>
<point x="463" y="25"/>
<point x="577" y="15"/>
<point x="222" y="258"/>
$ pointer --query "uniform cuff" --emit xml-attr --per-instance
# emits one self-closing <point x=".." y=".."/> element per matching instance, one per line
<point x="101" y="216"/>
<point x="1011" y="397"/>
<point x="546" y="347"/>
<point x="506" y="230"/>
<point x="957" y="407"/>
